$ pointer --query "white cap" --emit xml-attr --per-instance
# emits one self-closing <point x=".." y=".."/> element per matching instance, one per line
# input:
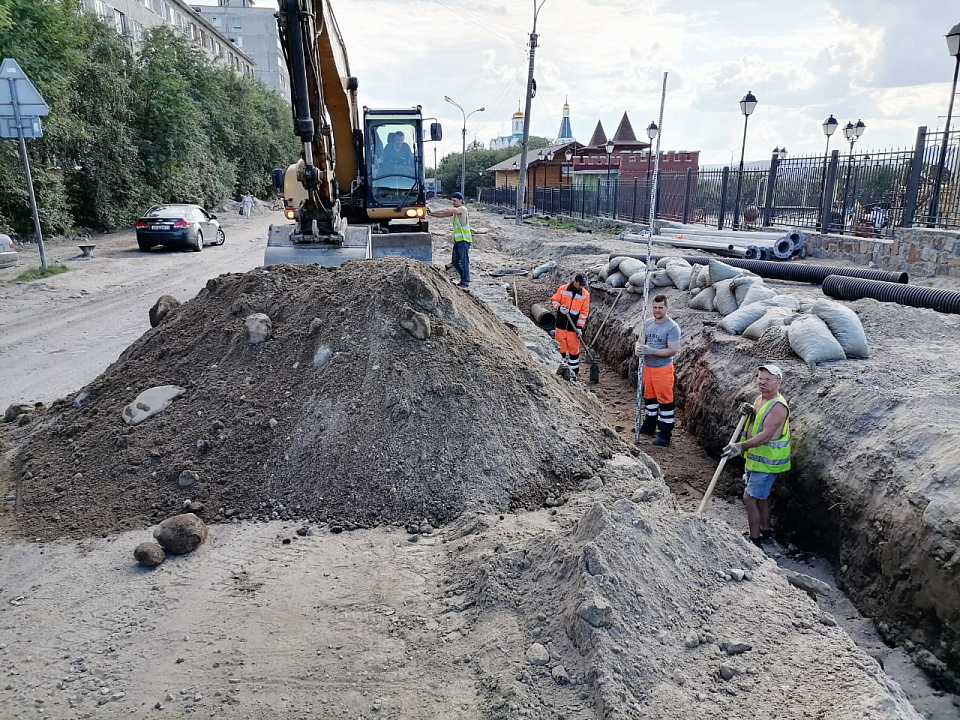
<point x="773" y="370"/>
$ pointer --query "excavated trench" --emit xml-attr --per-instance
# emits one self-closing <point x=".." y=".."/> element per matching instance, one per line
<point x="849" y="510"/>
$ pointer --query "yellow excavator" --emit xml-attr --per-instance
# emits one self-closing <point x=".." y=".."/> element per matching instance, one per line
<point x="357" y="191"/>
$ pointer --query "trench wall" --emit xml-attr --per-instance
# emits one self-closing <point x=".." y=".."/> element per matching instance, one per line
<point x="847" y="499"/>
<point x="921" y="252"/>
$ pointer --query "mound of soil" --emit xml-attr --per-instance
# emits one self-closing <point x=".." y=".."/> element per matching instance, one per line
<point x="341" y="415"/>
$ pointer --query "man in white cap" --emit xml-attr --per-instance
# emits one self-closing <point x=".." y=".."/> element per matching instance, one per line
<point x="765" y="444"/>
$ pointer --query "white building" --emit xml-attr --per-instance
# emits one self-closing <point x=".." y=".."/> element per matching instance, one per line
<point x="516" y="124"/>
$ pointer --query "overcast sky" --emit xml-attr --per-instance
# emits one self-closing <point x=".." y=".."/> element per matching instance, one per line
<point x="882" y="61"/>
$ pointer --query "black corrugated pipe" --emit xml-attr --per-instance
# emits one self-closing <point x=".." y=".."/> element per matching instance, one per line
<point x="543" y="316"/>
<point x="790" y="271"/>
<point x="845" y="288"/>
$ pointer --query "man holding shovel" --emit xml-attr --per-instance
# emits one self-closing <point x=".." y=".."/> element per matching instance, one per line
<point x="572" y="305"/>
<point x="765" y="443"/>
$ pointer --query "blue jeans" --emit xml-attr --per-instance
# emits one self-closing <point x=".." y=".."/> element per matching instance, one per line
<point x="759" y="483"/>
<point x="461" y="261"/>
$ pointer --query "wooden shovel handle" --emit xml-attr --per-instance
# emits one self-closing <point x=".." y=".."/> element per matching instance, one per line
<point x="723" y="463"/>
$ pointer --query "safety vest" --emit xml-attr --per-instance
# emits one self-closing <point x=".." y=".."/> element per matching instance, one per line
<point x="578" y="302"/>
<point x="774" y="455"/>
<point x="461" y="232"/>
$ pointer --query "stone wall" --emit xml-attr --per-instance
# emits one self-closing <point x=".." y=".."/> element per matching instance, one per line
<point x="921" y="252"/>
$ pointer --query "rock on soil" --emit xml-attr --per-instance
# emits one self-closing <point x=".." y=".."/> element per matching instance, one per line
<point x="181" y="534"/>
<point x="392" y="427"/>
<point x="164" y="305"/>
<point x="149" y="554"/>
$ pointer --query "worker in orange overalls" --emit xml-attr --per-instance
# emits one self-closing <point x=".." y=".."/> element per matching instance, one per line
<point x="572" y="305"/>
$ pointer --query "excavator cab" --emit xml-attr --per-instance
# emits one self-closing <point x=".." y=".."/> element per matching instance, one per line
<point x="395" y="191"/>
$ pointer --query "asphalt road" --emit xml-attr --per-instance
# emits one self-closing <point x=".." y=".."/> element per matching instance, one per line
<point x="60" y="333"/>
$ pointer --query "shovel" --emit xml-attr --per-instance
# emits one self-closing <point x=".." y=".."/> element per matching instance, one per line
<point x="723" y="463"/>
<point x="594" y="367"/>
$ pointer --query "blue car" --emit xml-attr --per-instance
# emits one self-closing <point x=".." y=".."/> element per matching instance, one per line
<point x="188" y="226"/>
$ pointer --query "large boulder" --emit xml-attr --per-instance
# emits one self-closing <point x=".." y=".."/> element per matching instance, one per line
<point x="164" y="305"/>
<point x="181" y="534"/>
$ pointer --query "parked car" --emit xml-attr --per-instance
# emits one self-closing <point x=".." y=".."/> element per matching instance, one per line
<point x="178" y="226"/>
<point x="8" y="256"/>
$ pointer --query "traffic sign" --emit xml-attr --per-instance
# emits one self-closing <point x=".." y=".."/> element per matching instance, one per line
<point x="29" y="127"/>
<point x="15" y="86"/>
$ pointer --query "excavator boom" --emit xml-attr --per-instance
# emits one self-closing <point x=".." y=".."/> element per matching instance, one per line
<point x="358" y="189"/>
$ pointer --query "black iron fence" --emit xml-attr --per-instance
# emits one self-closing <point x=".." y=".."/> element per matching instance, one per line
<point x="865" y="194"/>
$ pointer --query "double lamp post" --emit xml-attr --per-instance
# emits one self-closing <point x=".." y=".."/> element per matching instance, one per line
<point x="463" y="156"/>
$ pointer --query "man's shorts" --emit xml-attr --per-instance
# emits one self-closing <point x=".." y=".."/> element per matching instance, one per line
<point x="759" y="483"/>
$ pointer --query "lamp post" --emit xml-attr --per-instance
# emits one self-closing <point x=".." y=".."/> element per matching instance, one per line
<point x="540" y="157"/>
<point x="852" y="133"/>
<point x="463" y="156"/>
<point x="829" y="128"/>
<point x="953" y="46"/>
<point x="747" y="105"/>
<point x="609" y="148"/>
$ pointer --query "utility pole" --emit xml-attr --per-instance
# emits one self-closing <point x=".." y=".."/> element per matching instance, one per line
<point x="531" y="91"/>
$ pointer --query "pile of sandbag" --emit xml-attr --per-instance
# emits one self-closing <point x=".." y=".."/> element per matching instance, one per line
<point x="818" y="331"/>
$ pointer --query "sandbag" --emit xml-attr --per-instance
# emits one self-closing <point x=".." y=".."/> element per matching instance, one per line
<point x="704" y="300"/>
<point x="742" y="318"/>
<point x="679" y="275"/>
<point x="725" y="301"/>
<point x="786" y="301"/>
<point x="721" y="271"/>
<point x="661" y="279"/>
<point x="773" y="316"/>
<point x="812" y="340"/>
<point x="741" y="284"/>
<point x="694" y="274"/>
<point x="545" y="268"/>
<point x="637" y="278"/>
<point x="662" y="263"/>
<point x="614" y="263"/>
<point x="630" y="266"/>
<point x="616" y="280"/>
<point x="845" y="326"/>
<point x="695" y="291"/>
<point x="756" y="292"/>
<point x="604" y="274"/>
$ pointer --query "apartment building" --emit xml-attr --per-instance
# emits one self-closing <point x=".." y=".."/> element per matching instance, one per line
<point x="132" y="18"/>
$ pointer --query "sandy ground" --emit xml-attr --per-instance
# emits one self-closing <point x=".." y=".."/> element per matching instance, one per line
<point x="262" y="622"/>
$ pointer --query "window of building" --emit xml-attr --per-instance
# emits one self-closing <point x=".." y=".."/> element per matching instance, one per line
<point x="218" y="49"/>
<point x="236" y="24"/>
<point x="216" y="22"/>
<point x="120" y="22"/>
<point x="137" y="32"/>
<point x="238" y="41"/>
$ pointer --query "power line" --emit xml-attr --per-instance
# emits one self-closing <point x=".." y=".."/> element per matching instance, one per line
<point x="473" y="20"/>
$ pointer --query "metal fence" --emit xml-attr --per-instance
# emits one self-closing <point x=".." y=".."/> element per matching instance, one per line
<point x="865" y="194"/>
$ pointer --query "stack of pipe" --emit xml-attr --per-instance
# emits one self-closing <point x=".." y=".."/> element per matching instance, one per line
<point x="749" y="246"/>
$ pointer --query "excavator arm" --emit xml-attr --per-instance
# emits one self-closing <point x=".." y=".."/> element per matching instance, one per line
<point x="325" y="116"/>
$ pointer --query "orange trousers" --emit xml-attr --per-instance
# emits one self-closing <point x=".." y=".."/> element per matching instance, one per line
<point x="658" y="383"/>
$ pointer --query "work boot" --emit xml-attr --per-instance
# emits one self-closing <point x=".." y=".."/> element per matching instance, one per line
<point x="649" y="426"/>
<point x="663" y="438"/>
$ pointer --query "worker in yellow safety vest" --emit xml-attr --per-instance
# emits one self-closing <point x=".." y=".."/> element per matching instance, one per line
<point x="462" y="237"/>
<point x="765" y="444"/>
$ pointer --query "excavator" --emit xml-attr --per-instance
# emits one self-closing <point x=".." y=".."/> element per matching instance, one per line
<point x="357" y="191"/>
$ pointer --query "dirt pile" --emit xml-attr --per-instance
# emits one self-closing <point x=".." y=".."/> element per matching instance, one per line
<point x="659" y="614"/>
<point x="341" y="414"/>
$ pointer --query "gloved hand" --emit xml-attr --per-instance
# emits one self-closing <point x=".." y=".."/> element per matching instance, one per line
<point x="746" y="408"/>
<point x="564" y="310"/>
<point x="732" y="450"/>
<point x="647" y="350"/>
<point x="579" y="333"/>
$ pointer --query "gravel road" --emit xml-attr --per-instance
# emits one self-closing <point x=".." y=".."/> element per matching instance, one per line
<point x="61" y="332"/>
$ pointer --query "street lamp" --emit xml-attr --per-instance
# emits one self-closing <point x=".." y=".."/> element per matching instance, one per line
<point x="747" y="105"/>
<point x="540" y="162"/>
<point x="652" y="132"/>
<point x="463" y="157"/>
<point x="953" y="47"/>
<point x="829" y="128"/>
<point x="852" y="133"/>
<point x="609" y="148"/>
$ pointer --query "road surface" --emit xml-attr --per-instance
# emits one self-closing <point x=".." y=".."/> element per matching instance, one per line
<point x="58" y="334"/>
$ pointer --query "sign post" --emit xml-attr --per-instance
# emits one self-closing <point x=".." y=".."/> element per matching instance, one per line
<point x="20" y="110"/>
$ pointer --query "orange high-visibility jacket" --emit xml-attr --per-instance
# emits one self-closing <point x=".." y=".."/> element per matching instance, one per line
<point x="577" y="301"/>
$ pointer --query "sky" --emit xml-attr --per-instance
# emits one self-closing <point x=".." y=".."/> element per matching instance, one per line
<point x="882" y="61"/>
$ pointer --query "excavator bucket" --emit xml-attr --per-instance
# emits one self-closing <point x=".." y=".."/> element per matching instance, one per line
<point x="282" y="249"/>
<point x="413" y="245"/>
